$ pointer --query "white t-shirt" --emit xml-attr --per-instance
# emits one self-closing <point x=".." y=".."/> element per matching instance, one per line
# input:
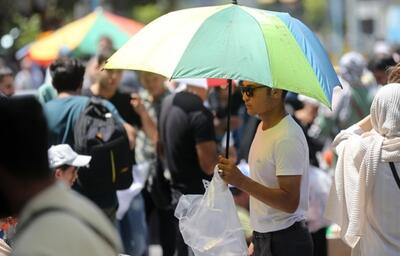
<point x="278" y="151"/>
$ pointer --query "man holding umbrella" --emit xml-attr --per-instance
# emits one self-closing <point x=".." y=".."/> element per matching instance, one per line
<point x="278" y="182"/>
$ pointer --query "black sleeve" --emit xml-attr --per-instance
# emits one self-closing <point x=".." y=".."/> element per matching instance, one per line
<point x="202" y="125"/>
<point x="136" y="121"/>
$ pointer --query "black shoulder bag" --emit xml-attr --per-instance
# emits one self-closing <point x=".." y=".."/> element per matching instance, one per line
<point x="395" y="175"/>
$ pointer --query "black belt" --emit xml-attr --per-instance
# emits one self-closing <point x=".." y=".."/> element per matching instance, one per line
<point x="297" y="225"/>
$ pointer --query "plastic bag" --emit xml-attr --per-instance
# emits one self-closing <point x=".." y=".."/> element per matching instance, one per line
<point x="125" y="197"/>
<point x="209" y="223"/>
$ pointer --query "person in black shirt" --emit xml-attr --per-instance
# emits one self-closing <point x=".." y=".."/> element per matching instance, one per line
<point x="106" y="86"/>
<point x="188" y="142"/>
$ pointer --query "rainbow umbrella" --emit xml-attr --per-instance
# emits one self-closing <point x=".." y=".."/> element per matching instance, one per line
<point x="82" y="35"/>
<point x="235" y="42"/>
<point x="232" y="42"/>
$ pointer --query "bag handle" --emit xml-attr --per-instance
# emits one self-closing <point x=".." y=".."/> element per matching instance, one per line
<point x="395" y="175"/>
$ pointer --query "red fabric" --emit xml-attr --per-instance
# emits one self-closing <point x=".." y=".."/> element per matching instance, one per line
<point x="214" y="82"/>
<point x="127" y="25"/>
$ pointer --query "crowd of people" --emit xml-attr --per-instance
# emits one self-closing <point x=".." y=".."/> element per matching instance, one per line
<point x="298" y="152"/>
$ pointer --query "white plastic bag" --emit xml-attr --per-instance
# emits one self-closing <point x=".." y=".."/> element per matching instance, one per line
<point x="140" y="173"/>
<point x="209" y="223"/>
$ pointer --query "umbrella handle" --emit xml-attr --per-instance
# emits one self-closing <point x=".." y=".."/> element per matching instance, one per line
<point x="228" y="125"/>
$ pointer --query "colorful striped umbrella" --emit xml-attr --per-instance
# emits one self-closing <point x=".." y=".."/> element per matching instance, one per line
<point x="232" y="42"/>
<point x="82" y="36"/>
<point x="235" y="42"/>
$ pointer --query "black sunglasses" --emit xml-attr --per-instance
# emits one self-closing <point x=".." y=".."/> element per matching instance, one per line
<point x="249" y="90"/>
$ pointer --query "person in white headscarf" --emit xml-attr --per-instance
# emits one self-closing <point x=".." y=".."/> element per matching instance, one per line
<point x="350" y="103"/>
<point x="364" y="198"/>
<point x="355" y="98"/>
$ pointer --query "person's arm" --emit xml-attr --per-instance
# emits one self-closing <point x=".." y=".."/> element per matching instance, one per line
<point x="365" y="124"/>
<point x="359" y="128"/>
<point x="202" y="126"/>
<point x="207" y="154"/>
<point x="131" y="132"/>
<point x="148" y="125"/>
<point x="285" y="198"/>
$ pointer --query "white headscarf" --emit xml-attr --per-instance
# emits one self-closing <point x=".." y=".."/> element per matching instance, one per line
<point x="352" y="66"/>
<point x="385" y="111"/>
<point x="358" y="161"/>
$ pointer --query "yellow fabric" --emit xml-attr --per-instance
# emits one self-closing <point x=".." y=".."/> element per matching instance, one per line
<point x="155" y="40"/>
<point x="113" y="172"/>
<point x="69" y="36"/>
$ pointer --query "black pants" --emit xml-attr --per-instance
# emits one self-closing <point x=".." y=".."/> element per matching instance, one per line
<point x="320" y="242"/>
<point x="294" y="240"/>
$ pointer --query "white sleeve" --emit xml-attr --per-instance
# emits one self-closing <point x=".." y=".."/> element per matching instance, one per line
<point x="344" y="135"/>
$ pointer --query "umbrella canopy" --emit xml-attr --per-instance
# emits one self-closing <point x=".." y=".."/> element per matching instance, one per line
<point x="232" y="42"/>
<point x="82" y="36"/>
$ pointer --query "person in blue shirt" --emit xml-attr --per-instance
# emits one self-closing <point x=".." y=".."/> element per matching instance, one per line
<point x="63" y="112"/>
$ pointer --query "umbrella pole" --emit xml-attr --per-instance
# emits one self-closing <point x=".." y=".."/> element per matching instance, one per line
<point x="228" y="125"/>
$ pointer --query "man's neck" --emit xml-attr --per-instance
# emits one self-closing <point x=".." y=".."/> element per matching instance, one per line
<point x="101" y="91"/>
<point x="68" y="94"/>
<point x="273" y="117"/>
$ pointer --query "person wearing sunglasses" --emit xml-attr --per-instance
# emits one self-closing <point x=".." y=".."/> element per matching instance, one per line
<point x="278" y="182"/>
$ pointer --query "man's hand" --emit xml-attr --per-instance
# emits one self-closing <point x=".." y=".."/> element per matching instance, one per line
<point x="137" y="104"/>
<point x="366" y="124"/>
<point x="250" y="250"/>
<point x="229" y="172"/>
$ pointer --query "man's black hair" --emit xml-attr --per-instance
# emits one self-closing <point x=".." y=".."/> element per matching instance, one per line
<point x="67" y="74"/>
<point x="381" y="63"/>
<point x="23" y="138"/>
<point x="284" y="93"/>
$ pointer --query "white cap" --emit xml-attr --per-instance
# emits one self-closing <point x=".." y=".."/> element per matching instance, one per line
<point x="196" y="82"/>
<point x="306" y="99"/>
<point x="63" y="154"/>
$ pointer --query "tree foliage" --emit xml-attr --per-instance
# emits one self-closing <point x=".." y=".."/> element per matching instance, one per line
<point x="147" y="13"/>
<point x="29" y="29"/>
<point x="315" y="13"/>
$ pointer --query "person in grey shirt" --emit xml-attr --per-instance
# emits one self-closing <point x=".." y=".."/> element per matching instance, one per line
<point x="52" y="219"/>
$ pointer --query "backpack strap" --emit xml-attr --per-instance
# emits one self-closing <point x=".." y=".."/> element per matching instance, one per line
<point x="395" y="175"/>
<point x="166" y="107"/>
<point x="42" y="212"/>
